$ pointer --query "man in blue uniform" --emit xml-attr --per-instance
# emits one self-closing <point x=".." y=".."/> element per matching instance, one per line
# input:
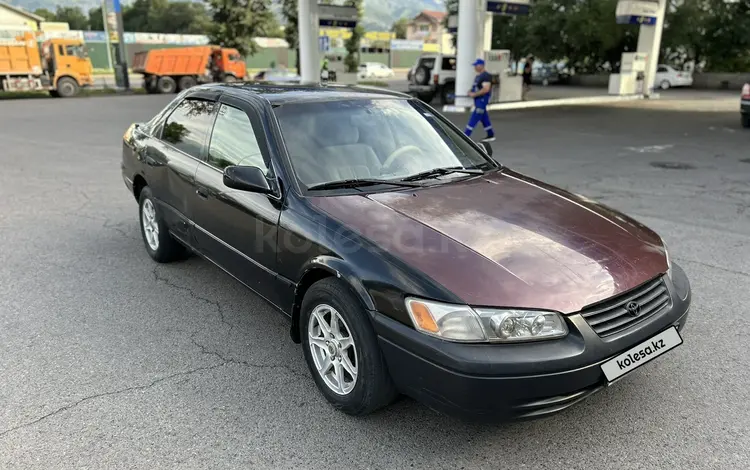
<point x="481" y="92"/>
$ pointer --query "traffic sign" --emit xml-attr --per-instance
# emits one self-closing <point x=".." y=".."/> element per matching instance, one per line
<point x="324" y="44"/>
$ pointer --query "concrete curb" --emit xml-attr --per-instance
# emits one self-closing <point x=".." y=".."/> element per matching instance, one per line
<point x="547" y="103"/>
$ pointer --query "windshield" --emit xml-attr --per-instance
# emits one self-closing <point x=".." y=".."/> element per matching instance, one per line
<point x="374" y="139"/>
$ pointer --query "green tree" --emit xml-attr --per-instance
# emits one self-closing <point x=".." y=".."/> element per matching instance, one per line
<point x="236" y="23"/>
<point x="400" y="27"/>
<point x="73" y="16"/>
<point x="352" y="44"/>
<point x="291" y="32"/>
<point x="180" y="18"/>
<point x="45" y="13"/>
<point x="96" y="21"/>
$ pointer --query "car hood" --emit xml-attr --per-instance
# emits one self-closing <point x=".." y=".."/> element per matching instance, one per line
<point x="506" y="240"/>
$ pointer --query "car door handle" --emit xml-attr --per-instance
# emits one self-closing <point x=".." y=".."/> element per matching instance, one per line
<point x="202" y="193"/>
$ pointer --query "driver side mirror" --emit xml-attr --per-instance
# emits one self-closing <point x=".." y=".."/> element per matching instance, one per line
<point x="247" y="178"/>
<point x="487" y="148"/>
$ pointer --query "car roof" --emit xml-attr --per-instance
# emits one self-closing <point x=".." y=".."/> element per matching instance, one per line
<point x="279" y="94"/>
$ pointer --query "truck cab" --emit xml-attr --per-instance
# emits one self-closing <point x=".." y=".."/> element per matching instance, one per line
<point x="67" y="65"/>
<point x="229" y="64"/>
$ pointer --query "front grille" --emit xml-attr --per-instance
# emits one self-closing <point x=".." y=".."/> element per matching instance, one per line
<point x="612" y="316"/>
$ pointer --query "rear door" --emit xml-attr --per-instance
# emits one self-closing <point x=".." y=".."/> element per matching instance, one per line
<point x="238" y="229"/>
<point x="173" y="159"/>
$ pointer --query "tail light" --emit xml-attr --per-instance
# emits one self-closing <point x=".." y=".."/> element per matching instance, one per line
<point x="436" y="79"/>
<point x="746" y="91"/>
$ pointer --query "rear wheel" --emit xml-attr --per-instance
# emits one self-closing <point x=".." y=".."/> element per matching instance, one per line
<point x="166" y="85"/>
<point x="187" y="82"/>
<point x="341" y="350"/>
<point x="448" y="94"/>
<point x="230" y="79"/>
<point x="746" y="121"/>
<point x="67" y="87"/>
<point x="426" y="97"/>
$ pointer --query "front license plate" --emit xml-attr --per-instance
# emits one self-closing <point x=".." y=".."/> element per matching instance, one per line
<point x="641" y="354"/>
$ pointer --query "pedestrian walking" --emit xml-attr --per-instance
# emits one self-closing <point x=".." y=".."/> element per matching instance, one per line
<point x="481" y="91"/>
<point x="527" y="70"/>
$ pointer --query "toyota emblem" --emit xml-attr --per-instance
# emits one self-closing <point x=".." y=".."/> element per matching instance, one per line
<point x="633" y="308"/>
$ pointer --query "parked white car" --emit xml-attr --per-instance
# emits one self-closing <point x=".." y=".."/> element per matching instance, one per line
<point x="374" y="70"/>
<point x="667" y="77"/>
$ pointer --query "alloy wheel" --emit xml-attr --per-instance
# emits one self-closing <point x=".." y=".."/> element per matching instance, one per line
<point x="333" y="349"/>
<point x="150" y="224"/>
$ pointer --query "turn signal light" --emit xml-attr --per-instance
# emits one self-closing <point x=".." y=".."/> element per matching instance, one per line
<point x="422" y="317"/>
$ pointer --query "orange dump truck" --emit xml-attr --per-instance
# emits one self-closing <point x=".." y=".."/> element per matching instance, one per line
<point x="60" y="66"/>
<point x="173" y="69"/>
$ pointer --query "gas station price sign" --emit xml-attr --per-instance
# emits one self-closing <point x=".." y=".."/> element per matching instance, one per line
<point x="514" y="8"/>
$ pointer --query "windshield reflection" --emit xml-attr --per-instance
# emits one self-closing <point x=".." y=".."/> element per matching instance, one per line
<point x="375" y="139"/>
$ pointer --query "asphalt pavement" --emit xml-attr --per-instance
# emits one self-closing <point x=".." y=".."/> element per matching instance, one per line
<point x="109" y="360"/>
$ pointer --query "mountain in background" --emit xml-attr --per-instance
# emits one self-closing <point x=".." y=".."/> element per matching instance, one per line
<point x="379" y="14"/>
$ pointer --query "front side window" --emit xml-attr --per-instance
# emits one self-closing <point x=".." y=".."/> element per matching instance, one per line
<point x="380" y="139"/>
<point x="233" y="141"/>
<point x="188" y="125"/>
<point x="75" y="51"/>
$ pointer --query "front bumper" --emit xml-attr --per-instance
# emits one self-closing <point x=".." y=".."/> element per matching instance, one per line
<point x="745" y="106"/>
<point x="515" y="381"/>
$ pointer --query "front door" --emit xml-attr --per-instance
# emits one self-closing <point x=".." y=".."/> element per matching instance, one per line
<point x="237" y="229"/>
<point x="173" y="160"/>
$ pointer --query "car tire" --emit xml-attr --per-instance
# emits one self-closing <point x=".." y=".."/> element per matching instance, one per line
<point x="159" y="243"/>
<point x="665" y="85"/>
<point x="166" y="85"/>
<point x="422" y="76"/>
<point x="357" y="349"/>
<point x="67" y="87"/>
<point x="230" y="79"/>
<point x="448" y="93"/>
<point x="746" y="121"/>
<point x="545" y="82"/>
<point x="187" y="82"/>
<point x="426" y="97"/>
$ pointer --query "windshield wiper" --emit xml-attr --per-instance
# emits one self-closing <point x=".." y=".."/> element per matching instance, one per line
<point x="358" y="182"/>
<point x="440" y="172"/>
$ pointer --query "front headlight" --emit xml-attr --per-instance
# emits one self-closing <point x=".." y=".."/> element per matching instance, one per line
<point x="465" y="324"/>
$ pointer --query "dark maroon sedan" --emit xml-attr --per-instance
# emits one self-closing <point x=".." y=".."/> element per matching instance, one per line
<point x="407" y="259"/>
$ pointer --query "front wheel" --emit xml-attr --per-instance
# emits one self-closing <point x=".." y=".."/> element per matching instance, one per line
<point x="159" y="243"/>
<point x="664" y="85"/>
<point x="341" y="350"/>
<point x="67" y="87"/>
<point x="230" y="79"/>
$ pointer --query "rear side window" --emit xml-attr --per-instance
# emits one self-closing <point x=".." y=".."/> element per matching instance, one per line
<point x="662" y="69"/>
<point x="429" y="63"/>
<point x="449" y="63"/>
<point x="188" y="125"/>
<point x="233" y="141"/>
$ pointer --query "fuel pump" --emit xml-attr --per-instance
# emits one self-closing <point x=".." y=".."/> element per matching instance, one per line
<point x="631" y="77"/>
<point x="505" y="87"/>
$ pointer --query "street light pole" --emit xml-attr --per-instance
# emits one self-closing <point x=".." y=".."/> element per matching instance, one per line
<point x="106" y="33"/>
<point x="122" y="56"/>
